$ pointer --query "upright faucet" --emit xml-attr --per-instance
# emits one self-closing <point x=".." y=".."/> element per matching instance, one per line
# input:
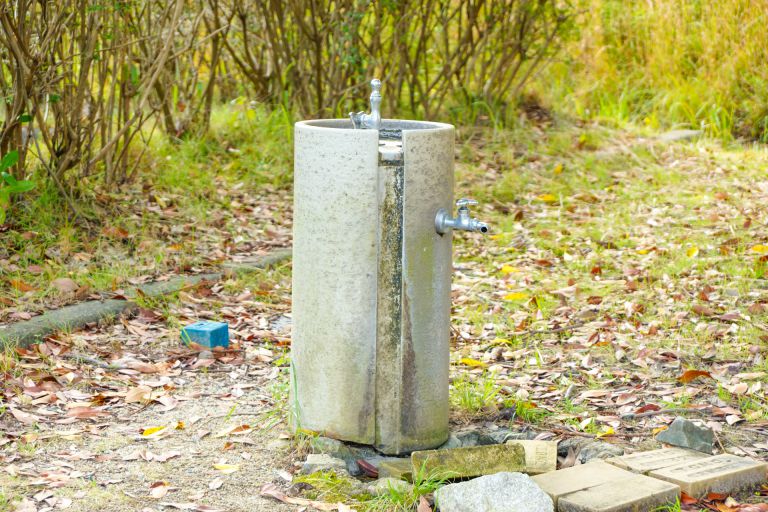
<point x="371" y="121"/>
<point x="464" y="220"/>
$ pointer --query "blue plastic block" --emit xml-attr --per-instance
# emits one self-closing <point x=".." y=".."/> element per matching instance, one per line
<point x="207" y="334"/>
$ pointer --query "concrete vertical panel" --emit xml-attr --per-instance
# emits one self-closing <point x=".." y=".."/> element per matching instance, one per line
<point x="426" y="282"/>
<point x="335" y="241"/>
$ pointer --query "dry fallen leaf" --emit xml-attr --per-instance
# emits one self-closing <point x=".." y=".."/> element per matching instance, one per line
<point x="86" y="412"/>
<point x="226" y="468"/>
<point x="115" y="232"/>
<point x="65" y="285"/>
<point x="547" y="198"/>
<point x="158" y="490"/>
<point x="272" y="491"/>
<point x="690" y="375"/>
<point x="169" y="402"/>
<point x="153" y="432"/>
<point x="163" y="457"/>
<point x="26" y="505"/>
<point x="423" y="505"/>
<point x="21" y="286"/>
<point x="467" y="361"/>
<point x="138" y="394"/>
<point x="235" y="429"/>
<point x="24" y="417"/>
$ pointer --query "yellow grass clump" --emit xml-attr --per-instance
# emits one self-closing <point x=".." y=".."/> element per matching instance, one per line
<point x="670" y="63"/>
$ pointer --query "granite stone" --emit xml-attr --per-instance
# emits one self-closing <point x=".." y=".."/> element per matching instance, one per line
<point x="500" y="492"/>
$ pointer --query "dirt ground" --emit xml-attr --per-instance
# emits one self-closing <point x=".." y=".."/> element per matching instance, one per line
<point x="82" y="445"/>
<point x="111" y="466"/>
<point x="624" y="284"/>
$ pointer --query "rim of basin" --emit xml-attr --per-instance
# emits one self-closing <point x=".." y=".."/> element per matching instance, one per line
<point x="386" y="124"/>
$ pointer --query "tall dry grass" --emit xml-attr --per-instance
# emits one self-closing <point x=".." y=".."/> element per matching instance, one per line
<point x="667" y="63"/>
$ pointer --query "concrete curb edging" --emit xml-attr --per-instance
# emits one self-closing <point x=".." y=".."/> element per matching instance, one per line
<point x="23" y="334"/>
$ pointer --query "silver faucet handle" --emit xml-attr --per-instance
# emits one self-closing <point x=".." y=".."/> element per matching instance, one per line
<point x="464" y="202"/>
<point x="376" y="86"/>
<point x="375" y="102"/>
<point x="372" y="121"/>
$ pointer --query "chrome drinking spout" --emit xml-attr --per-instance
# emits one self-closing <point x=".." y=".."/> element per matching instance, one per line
<point x="463" y="221"/>
<point x="371" y="121"/>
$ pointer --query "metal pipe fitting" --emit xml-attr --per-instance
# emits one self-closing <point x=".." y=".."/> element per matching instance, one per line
<point x="371" y="121"/>
<point x="463" y="221"/>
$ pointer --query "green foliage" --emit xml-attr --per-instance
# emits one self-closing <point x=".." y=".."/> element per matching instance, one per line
<point x="529" y="412"/>
<point x="672" y="507"/>
<point x="666" y="64"/>
<point x="396" y="500"/>
<point x="329" y="486"/>
<point x="474" y="396"/>
<point x="10" y="186"/>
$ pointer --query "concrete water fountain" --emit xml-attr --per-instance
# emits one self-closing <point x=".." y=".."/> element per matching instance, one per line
<point x="372" y="270"/>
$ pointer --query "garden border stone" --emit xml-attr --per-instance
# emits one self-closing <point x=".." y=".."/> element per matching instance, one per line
<point x="76" y="316"/>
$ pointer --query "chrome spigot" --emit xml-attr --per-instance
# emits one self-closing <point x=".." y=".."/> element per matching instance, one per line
<point x="464" y="221"/>
<point x="371" y="121"/>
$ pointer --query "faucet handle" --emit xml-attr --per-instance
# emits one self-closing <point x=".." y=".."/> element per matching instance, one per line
<point x="376" y="86"/>
<point x="375" y="116"/>
<point x="372" y="121"/>
<point x="464" y="202"/>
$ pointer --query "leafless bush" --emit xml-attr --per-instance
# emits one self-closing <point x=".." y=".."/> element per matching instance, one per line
<point x="82" y="81"/>
<point x="315" y="52"/>
<point x="76" y="82"/>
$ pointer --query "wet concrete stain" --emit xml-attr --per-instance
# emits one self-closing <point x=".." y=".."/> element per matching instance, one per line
<point x="389" y="310"/>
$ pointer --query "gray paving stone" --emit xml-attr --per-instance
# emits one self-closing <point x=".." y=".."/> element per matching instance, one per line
<point x="577" y="478"/>
<point x="502" y="492"/>
<point x="540" y="456"/>
<point x="323" y="462"/>
<point x="384" y="486"/>
<point x="588" y="449"/>
<point x="721" y="473"/>
<point x="645" y="462"/>
<point x="635" y="493"/>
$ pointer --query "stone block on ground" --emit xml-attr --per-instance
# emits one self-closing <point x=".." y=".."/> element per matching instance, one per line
<point x="633" y="493"/>
<point x="470" y="461"/>
<point x="323" y="462"/>
<point x="452" y="442"/>
<point x="350" y="453"/>
<point x="690" y="434"/>
<point x="721" y="474"/>
<point x="326" y="445"/>
<point x="503" y="435"/>
<point x="577" y="478"/>
<point x="645" y="462"/>
<point x="208" y="334"/>
<point x="588" y="449"/>
<point x="396" y="468"/>
<point x="540" y="456"/>
<point x="500" y="492"/>
<point x="384" y="486"/>
<point x="602" y="487"/>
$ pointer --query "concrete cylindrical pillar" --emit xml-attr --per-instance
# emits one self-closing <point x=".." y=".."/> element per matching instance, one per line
<point x="371" y="282"/>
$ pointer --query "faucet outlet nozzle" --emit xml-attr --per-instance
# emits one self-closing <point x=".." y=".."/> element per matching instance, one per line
<point x="463" y="220"/>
